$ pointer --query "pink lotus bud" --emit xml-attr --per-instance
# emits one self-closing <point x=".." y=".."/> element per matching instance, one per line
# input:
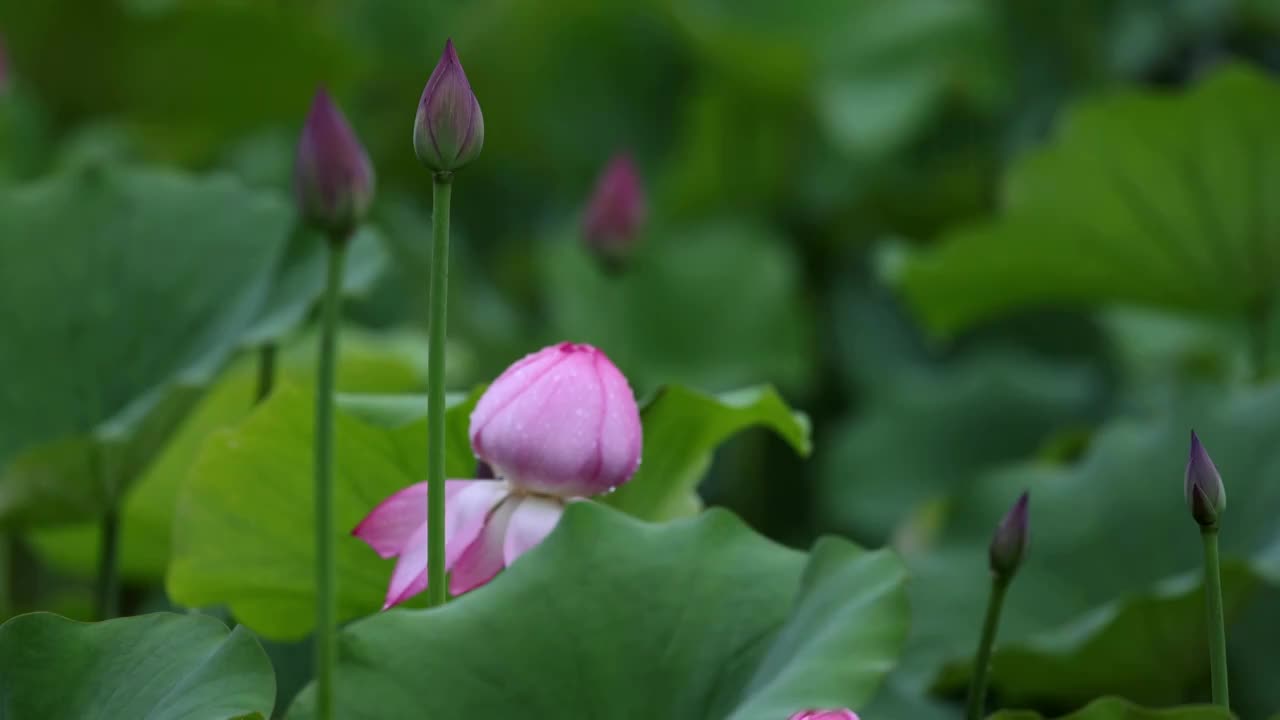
<point x="562" y="422"/>
<point x="841" y="714"/>
<point x="1009" y="543"/>
<point x="1202" y="486"/>
<point x="333" y="179"/>
<point x="615" y="213"/>
<point x="448" y="131"/>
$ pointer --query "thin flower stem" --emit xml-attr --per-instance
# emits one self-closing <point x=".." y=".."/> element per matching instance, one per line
<point x="107" y="601"/>
<point x="982" y="666"/>
<point x="266" y="371"/>
<point x="326" y="574"/>
<point x="7" y="548"/>
<point x="436" y="590"/>
<point x="1213" y="609"/>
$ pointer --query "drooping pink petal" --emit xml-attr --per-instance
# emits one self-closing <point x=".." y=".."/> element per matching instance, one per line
<point x="410" y="575"/>
<point x="466" y="513"/>
<point x="390" y="525"/>
<point x="533" y="519"/>
<point x="399" y="527"/>
<point x="482" y="560"/>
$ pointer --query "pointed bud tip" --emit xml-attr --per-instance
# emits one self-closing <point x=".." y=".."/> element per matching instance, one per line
<point x="1009" y="543"/>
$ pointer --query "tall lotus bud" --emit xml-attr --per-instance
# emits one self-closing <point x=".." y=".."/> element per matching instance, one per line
<point x="841" y="714"/>
<point x="561" y="421"/>
<point x="1202" y="487"/>
<point x="1010" y="541"/>
<point x="615" y="212"/>
<point x="448" y="131"/>
<point x="333" y="179"/>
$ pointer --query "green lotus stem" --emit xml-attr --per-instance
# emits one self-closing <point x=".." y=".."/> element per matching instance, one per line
<point x="266" y="371"/>
<point x="1213" y="610"/>
<point x="436" y="591"/>
<point x="982" y="666"/>
<point x="326" y="573"/>
<point x="107" y="601"/>
<point x="6" y="576"/>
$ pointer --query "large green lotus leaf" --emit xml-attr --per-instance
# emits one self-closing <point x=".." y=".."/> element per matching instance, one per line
<point x="586" y="626"/>
<point x="714" y="306"/>
<point x="1144" y="197"/>
<point x="877" y="68"/>
<point x="929" y="431"/>
<point x="888" y="65"/>
<point x="244" y="524"/>
<point x="1111" y="708"/>
<point x="1112" y="525"/>
<point x="682" y="428"/>
<point x="365" y="365"/>
<point x="160" y="667"/>
<point x="121" y="293"/>
<point x="300" y="278"/>
<point x="1251" y="654"/>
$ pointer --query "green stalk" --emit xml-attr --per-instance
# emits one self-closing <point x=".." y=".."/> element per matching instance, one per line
<point x="326" y="573"/>
<point x="982" y="667"/>
<point x="436" y="590"/>
<point x="1213" y="609"/>
<point x="266" y="371"/>
<point x="6" y="576"/>
<point x="107" y="601"/>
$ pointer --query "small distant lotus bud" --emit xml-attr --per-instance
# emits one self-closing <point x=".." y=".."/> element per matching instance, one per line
<point x="1205" y="496"/>
<point x="333" y="179"/>
<point x="841" y="714"/>
<point x="561" y="421"/>
<point x="615" y="213"/>
<point x="448" y="131"/>
<point x="1010" y="541"/>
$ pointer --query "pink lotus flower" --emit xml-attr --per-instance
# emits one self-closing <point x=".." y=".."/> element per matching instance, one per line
<point x="825" y="715"/>
<point x="558" y="426"/>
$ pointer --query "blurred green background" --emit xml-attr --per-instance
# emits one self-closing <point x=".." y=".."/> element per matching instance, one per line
<point x="983" y="244"/>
